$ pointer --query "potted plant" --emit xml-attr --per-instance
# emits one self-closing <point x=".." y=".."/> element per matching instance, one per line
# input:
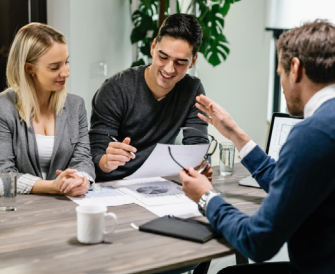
<point x="210" y="14"/>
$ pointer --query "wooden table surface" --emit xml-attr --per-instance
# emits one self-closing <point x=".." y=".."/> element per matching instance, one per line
<point x="40" y="237"/>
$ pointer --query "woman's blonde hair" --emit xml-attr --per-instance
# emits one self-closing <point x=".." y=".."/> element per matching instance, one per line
<point x="30" y="43"/>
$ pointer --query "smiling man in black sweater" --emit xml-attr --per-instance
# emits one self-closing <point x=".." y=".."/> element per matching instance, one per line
<point x="147" y="105"/>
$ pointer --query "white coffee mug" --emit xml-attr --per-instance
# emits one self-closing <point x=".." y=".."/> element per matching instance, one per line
<point x="91" y="223"/>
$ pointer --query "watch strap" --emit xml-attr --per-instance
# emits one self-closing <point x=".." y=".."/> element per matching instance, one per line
<point x="205" y="198"/>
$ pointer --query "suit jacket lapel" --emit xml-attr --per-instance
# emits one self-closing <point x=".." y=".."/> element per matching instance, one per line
<point x="60" y="126"/>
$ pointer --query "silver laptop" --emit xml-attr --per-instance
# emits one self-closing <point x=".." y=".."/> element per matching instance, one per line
<point x="281" y="125"/>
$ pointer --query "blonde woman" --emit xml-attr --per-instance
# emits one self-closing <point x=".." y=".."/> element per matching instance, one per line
<point x="43" y="130"/>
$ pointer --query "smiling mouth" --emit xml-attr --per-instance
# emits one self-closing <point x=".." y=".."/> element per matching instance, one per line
<point x="166" y="77"/>
<point x="61" y="82"/>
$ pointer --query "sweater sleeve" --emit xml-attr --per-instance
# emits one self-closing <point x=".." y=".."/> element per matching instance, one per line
<point x="192" y="137"/>
<point x="300" y="184"/>
<point x="106" y="119"/>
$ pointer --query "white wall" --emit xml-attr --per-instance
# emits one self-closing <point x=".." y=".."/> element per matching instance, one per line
<point x="99" y="30"/>
<point x="96" y="31"/>
<point x="240" y="84"/>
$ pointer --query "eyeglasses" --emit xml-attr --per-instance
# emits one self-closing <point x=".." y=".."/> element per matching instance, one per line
<point x="210" y="151"/>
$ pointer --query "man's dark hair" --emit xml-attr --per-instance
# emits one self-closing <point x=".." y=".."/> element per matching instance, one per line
<point x="314" y="45"/>
<point x="182" y="26"/>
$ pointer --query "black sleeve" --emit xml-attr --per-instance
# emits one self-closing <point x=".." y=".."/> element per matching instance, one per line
<point x="107" y="109"/>
<point x="198" y="136"/>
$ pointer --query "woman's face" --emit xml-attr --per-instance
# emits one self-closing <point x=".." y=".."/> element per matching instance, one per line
<point x="51" y="69"/>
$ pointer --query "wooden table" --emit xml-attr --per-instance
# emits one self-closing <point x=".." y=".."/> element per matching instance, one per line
<point x="40" y="237"/>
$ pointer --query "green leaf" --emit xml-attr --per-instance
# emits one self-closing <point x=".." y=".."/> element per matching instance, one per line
<point x="224" y="10"/>
<point x="149" y="7"/>
<point x="138" y="63"/>
<point x="178" y="7"/>
<point x="145" y="48"/>
<point x="216" y="21"/>
<point x="216" y="49"/>
<point x="137" y="35"/>
<point x="232" y="1"/>
<point x="142" y="23"/>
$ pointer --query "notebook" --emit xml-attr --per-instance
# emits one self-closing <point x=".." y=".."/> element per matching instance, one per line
<point x="281" y="125"/>
<point x="186" y="229"/>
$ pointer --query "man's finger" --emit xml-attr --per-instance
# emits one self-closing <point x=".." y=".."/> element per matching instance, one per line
<point x="126" y="141"/>
<point x="118" y="157"/>
<point x="119" y="152"/>
<point x="115" y="163"/>
<point x="117" y="145"/>
<point x="204" y="100"/>
<point x="201" y="108"/>
<point x="183" y="175"/>
<point x="205" y="118"/>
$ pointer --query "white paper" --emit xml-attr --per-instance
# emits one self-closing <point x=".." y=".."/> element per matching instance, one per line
<point x="280" y="132"/>
<point x="152" y="191"/>
<point x="107" y="196"/>
<point x="114" y="193"/>
<point x="159" y="163"/>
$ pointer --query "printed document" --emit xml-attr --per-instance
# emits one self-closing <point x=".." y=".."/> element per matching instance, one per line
<point x="104" y="196"/>
<point x="160" y="163"/>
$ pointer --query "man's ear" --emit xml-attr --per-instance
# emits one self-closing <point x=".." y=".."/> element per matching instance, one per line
<point x="193" y="60"/>
<point x="296" y="70"/>
<point x="153" y="45"/>
<point x="29" y="68"/>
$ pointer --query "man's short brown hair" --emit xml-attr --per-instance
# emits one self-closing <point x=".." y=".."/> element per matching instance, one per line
<point x="314" y="45"/>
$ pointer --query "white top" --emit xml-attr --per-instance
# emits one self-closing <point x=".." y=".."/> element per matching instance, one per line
<point x="45" y="145"/>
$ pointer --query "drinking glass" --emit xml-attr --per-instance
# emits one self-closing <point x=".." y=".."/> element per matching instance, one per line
<point x="227" y="155"/>
<point x="8" y="191"/>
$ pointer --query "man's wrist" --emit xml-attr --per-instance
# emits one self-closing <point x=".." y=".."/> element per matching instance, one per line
<point x="103" y="164"/>
<point x="204" y="200"/>
<point x="247" y="149"/>
<point x="239" y="138"/>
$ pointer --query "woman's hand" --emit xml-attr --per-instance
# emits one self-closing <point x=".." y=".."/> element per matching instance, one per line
<point x="194" y="184"/>
<point x="80" y="189"/>
<point x="70" y="183"/>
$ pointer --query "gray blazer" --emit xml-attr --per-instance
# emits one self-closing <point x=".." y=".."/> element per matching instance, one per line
<point x="18" y="147"/>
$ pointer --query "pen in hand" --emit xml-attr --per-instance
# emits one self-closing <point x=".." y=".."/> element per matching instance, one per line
<point x="115" y="140"/>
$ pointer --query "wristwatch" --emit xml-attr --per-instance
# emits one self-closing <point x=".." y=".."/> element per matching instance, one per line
<point x="203" y="200"/>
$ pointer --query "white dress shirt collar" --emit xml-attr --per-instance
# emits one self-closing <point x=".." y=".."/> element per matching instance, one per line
<point x="318" y="99"/>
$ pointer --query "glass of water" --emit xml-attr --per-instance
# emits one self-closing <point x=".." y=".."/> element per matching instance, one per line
<point x="227" y="156"/>
<point x="8" y="191"/>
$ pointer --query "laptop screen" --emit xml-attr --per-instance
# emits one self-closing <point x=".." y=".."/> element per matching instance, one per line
<point x="281" y="125"/>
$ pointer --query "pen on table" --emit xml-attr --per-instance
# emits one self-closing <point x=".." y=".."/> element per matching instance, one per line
<point x="115" y="140"/>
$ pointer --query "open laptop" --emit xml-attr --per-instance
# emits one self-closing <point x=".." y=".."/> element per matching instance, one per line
<point x="281" y="125"/>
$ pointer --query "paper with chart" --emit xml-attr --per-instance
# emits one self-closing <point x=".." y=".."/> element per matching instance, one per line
<point x="152" y="191"/>
<point x="105" y="195"/>
<point x="280" y="132"/>
<point x="159" y="163"/>
<point x="159" y="196"/>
